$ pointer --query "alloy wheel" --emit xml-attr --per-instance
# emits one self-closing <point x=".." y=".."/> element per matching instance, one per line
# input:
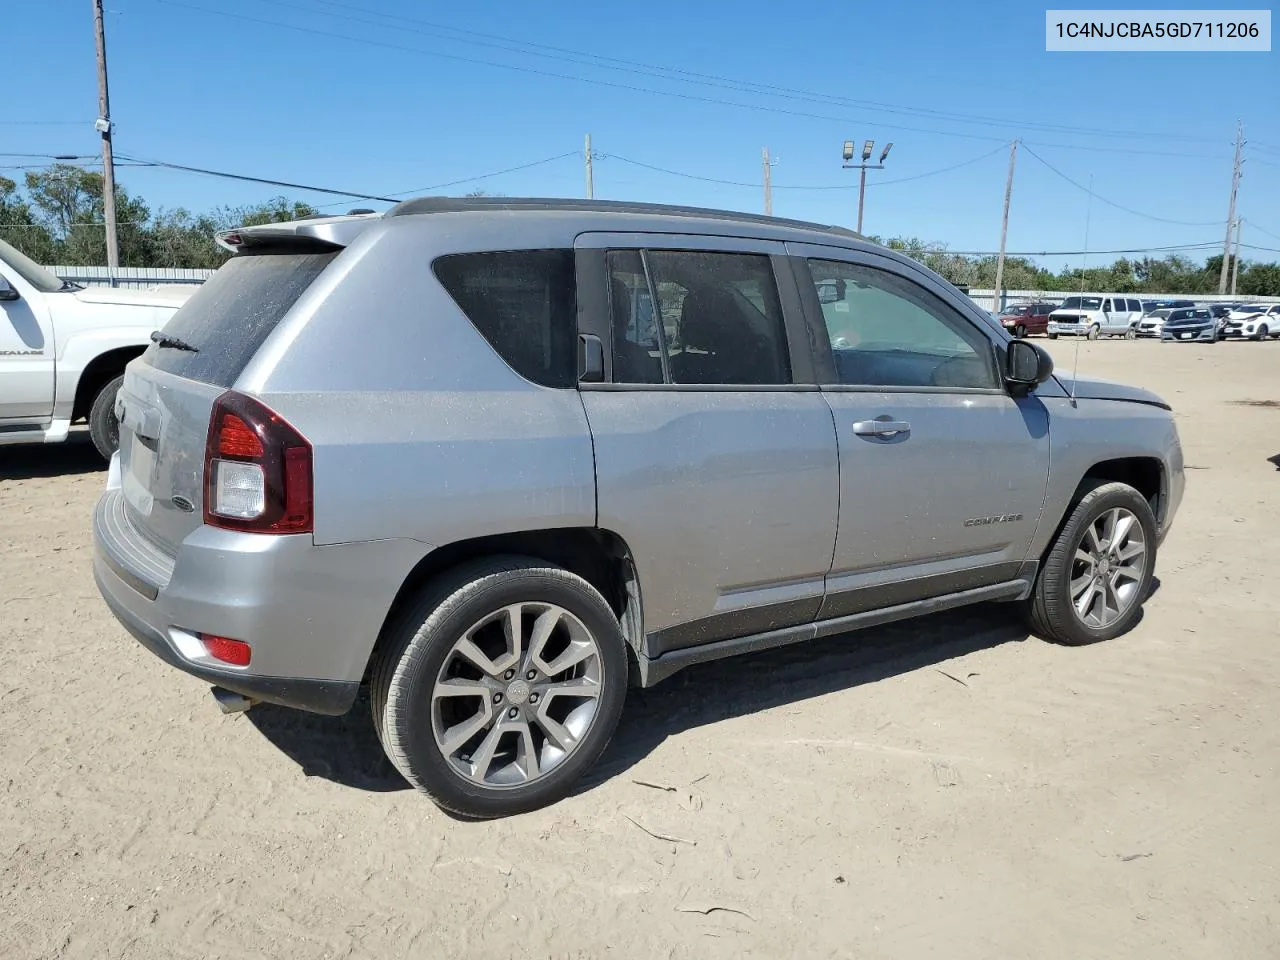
<point x="516" y="694"/>
<point x="1107" y="568"/>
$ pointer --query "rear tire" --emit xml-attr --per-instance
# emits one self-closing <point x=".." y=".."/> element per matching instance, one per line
<point x="104" y="428"/>
<point x="1067" y="581"/>
<point x="1093" y="332"/>
<point x="1052" y="336"/>
<point x="1131" y="333"/>
<point x="433" y="646"/>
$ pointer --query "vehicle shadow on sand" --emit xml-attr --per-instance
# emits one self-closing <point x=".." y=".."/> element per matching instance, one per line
<point x="346" y="749"/>
<point x="36" y="461"/>
<point x="725" y="689"/>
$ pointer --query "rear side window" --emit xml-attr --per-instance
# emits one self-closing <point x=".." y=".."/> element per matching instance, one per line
<point x="234" y="312"/>
<point x="523" y="302"/>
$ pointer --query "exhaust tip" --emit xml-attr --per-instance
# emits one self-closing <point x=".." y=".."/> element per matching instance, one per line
<point x="231" y="702"/>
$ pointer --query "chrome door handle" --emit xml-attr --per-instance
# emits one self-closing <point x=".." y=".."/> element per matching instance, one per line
<point x="880" y="428"/>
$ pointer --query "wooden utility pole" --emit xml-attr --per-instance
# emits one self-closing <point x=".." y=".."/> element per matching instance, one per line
<point x="591" y="186"/>
<point x="1231" y="208"/>
<point x="1235" y="261"/>
<point x="1004" y="227"/>
<point x="103" y="126"/>
<point x="768" y="185"/>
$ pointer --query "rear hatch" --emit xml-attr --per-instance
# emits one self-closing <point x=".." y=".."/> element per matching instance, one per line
<point x="168" y="394"/>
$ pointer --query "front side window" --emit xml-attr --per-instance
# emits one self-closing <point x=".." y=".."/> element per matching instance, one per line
<point x="523" y="302"/>
<point x="886" y="330"/>
<point x="718" y="319"/>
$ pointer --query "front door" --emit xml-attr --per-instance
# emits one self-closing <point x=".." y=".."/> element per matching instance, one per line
<point x="26" y="354"/>
<point x="716" y="457"/>
<point x="942" y="473"/>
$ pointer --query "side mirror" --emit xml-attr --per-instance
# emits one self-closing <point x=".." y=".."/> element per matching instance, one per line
<point x="7" y="292"/>
<point x="590" y="359"/>
<point x="1026" y="365"/>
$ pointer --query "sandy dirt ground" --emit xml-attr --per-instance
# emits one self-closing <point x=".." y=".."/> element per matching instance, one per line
<point x="946" y="787"/>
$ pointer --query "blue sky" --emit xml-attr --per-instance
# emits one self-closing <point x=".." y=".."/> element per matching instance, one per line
<point x="388" y="96"/>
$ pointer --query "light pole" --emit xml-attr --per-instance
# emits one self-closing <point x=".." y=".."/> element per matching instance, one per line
<point x="864" y="166"/>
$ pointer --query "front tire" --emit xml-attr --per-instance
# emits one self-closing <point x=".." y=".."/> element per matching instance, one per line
<point x="1093" y="332"/>
<point x="1098" y="571"/>
<point x="500" y="686"/>
<point x="1052" y="336"/>
<point x="104" y="427"/>
<point x="1019" y="332"/>
<point x="1262" y="333"/>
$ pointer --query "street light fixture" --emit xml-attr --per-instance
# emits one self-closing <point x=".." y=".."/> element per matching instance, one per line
<point x="868" y="146"/>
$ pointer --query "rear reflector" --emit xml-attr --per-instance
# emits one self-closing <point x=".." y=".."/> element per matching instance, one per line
<point x="234" y="652"/>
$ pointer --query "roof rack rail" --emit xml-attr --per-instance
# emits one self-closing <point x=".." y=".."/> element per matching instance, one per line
<point x="471" y="204"/>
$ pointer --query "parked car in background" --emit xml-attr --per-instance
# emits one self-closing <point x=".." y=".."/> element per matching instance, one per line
<point x="1108" y="315"/>
<point x="63" y="350"/>
<point x="1024" y="319"/>
<point x="1190" y="324"/>
<point x="436" y="452"/>
<point x="1253" y="321"/>
<point x="1153" y="321"/>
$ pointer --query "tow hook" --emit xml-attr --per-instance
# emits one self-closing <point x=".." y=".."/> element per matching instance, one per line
<point x="231" y="702"/>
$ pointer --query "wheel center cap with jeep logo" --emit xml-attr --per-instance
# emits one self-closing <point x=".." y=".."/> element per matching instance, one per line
<point x="518" y="692"/>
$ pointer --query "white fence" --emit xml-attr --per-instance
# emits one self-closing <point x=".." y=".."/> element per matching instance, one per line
<point x="138" y="277"/>
<point x="131" y="277"/>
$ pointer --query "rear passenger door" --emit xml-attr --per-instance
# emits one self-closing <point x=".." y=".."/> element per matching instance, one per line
<point x="942" y="473"/>
<point x="715" y="452"/>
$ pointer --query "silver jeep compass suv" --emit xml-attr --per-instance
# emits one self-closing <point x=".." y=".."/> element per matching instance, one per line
<point x="499" y="459"/>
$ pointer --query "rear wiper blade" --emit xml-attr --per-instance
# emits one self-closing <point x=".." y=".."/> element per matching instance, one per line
<point x="166" y="340"/>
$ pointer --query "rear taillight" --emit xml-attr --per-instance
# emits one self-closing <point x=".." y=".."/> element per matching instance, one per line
<point x="257" y="470"/>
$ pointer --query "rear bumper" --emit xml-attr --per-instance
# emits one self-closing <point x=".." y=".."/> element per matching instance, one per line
<point x="332" y="697"/>
<point x="310" y="614"/>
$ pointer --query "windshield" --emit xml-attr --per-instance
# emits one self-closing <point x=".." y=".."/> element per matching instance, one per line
<point x="1159" y="313"/>
<point x="1081" y="303"/>
<point x="29" y="270"/>
<point x="1017" y="311"/>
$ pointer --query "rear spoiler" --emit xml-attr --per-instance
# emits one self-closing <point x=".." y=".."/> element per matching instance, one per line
<point x="315" y="234"/>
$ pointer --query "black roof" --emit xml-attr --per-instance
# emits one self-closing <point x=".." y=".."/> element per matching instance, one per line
<point x="490" y="204"/>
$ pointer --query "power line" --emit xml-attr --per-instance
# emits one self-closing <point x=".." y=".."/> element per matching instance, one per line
<point x="59" y="157"/>
<point x="1254" y="226"/>
<point x="483" y="176"/>
<point x="776" y="186"/>
<point x="42" y="123"/>
<point x="1118" y="206"/>
<point x="565" y="76"/>
<point x="1144" y="153"/>
<point x="249" y="179"/>
<point x="584" y="58"/>
<point x="1071" y="253"/>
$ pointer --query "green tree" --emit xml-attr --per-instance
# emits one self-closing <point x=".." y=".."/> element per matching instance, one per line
<point x="1259" y="280"/>
<point x="20" y="226"/>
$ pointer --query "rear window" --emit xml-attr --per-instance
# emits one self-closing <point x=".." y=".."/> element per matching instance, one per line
<point x="235" y="310"/>
<point x="523" y="302"/>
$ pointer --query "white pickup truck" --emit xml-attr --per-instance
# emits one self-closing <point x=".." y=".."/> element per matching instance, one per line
<point x="63" y="349"/>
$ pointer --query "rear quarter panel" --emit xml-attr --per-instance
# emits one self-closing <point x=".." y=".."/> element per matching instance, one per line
<point x="420" y="429"/>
